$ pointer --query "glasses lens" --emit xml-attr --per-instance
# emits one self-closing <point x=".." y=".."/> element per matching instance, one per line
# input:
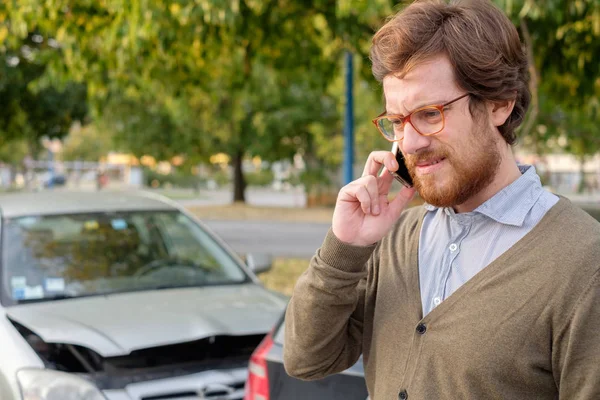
<point x="428" y="120"/>
<point x="391" y="128"/>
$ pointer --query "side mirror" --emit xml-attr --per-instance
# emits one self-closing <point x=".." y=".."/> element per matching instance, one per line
<point x="259" y="262"/>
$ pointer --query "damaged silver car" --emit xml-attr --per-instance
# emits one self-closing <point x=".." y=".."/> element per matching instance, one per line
<point x="108" y="296"/>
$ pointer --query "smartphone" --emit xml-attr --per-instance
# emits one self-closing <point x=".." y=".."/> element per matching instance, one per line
<point x="401" y="174"/>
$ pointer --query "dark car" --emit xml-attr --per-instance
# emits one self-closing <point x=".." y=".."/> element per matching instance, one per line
<point x="56" y="180"/>
<point x="267" y="379"/>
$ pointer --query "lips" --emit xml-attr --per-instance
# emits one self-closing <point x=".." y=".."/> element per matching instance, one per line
<point x="427" y="163"/>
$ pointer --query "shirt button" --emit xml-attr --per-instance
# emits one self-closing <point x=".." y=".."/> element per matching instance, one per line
<point x="437" y="301"/>
<point x="453" y="247"/>
<point x="421" y="329"/>
<point x="403" y="395"/>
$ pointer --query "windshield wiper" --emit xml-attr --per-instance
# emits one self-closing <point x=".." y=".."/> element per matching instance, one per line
<point x="170" y="262"/>
<point x="61" y="296"/>
<point x="156" y="287"/>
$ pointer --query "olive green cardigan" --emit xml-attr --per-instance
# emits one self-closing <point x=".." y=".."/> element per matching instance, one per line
<point x="526" y="327"/>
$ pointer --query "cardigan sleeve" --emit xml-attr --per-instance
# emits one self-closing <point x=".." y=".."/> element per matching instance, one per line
<point x="324" y="319"/>
<point x="577" y="348"/>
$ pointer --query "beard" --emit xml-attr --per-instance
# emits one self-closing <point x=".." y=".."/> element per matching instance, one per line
<point x="471" y="170"/>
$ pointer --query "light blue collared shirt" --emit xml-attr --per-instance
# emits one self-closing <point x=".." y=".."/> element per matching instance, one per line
<point x="454" y="247"/>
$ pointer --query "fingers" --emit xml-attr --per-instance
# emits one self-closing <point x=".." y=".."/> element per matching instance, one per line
<point x="366" y="191"/>
<point x="372" y="188"/>
<point x="385" y="181"/>
<point x="401" y="200"/>
<point x="377" y="159"/>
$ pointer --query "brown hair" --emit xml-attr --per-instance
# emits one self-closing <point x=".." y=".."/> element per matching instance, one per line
<point x="481" y="42"/>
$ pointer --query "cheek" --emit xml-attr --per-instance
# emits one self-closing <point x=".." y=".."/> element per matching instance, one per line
<point x="462" y="139"/>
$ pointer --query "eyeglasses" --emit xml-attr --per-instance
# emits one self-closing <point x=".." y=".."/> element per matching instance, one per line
<point x="427" y="121"/>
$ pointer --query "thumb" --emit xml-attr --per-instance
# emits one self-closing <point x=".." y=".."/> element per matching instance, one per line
<point x="400" y="202"/>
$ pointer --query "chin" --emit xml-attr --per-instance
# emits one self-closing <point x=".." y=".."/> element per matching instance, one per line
<point x="436" y="193"/>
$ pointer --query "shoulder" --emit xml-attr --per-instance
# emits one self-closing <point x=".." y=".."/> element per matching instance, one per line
<point x="571" y="223"/>
<point x="568" y="244"/>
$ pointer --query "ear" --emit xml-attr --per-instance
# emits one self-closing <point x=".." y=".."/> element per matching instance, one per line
<point x="499" y="111"/>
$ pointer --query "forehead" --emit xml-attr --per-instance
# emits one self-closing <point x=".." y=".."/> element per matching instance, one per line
<point x="427" y="83"/>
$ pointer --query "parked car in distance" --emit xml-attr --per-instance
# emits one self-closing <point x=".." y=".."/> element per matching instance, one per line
<point x="123" y="296"/>
<point x="267" y="379"/>
<point x="56" y="180"/>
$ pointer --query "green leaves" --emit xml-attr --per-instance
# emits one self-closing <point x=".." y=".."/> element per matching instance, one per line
<point x="251" y="77"/>
<point x="30" y="108"/>
<point x="565" y="42"/>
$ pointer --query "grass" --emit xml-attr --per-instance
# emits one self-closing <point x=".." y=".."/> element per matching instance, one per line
<point x="284" y="274"/>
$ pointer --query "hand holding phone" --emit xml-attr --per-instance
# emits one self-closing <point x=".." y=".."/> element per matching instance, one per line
<point x="401" y="174"/>
<point x="363" y="212"/>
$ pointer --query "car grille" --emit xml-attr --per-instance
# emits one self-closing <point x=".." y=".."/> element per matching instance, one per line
<point x="214" y="392"/>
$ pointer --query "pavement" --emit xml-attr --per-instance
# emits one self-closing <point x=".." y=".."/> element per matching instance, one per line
<point x="292" y="198"/>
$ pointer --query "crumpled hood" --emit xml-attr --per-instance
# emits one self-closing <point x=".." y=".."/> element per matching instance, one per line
<point x="117" y="324"/>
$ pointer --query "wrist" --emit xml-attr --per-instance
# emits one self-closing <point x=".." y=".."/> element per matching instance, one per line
<point x="345" y="256"/>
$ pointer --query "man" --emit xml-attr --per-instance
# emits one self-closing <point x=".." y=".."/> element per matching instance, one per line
<point x="489" y="291"/>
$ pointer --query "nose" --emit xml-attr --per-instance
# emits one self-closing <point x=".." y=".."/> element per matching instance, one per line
<point x="413" y="142"/>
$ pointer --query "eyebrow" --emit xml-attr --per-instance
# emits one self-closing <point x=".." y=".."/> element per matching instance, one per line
<point x="422" y="104"/>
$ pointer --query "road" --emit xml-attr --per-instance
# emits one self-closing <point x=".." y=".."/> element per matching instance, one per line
<point x="280" y="239"/>
<point x="254" y="197"/>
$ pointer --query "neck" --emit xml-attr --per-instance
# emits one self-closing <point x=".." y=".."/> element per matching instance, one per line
<point x="507" y="173"/>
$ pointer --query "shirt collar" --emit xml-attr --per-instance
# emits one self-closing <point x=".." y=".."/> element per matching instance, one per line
<point x="511" y="205"/>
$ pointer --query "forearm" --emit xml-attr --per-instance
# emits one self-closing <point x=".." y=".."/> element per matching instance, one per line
<point x="324" y="319"/>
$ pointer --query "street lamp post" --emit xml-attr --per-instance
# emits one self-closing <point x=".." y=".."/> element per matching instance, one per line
<point x="349" y="122"/>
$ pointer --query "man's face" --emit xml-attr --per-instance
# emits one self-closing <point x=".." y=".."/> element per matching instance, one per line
<point x="457" y="163"/>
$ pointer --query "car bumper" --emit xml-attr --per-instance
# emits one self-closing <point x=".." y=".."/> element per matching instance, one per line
<point x="208" y="385"/>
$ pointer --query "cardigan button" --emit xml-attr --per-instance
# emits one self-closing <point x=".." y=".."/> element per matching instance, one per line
<point x="421" y="329"/>
<point x="403" y="395"/>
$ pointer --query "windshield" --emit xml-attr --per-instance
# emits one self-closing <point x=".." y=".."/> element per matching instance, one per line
<point x="75" y="255"/>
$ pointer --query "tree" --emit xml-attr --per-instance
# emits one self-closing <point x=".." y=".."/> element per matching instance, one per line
<point x="249" y="78"/>
<point x="202" y="76"/>
<point x="30" y="110"/>
<point x="563" y="42"/>
<point x="86" y="143"/>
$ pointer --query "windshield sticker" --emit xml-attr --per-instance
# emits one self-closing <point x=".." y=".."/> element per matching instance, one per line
<point x="17" y="282"/>
<point x="91" y="225"/>
<point x="28" y="221"/>
<point x="118" y="224"/>
<point x="34" y="292"/>
<point x="18" y="293"/>
<point x="28" y="292"/>
<point x="54" y="284"/>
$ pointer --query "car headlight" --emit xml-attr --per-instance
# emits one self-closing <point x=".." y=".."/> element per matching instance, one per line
<point x="45" y="384"/>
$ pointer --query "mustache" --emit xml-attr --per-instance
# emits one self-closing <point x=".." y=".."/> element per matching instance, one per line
<point x="426" y="155"/>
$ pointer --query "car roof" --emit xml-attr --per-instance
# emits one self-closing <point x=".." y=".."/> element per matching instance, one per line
<point x="75" y="202"/>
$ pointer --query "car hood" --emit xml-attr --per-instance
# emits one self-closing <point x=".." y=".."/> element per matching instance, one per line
<point x="117" y="324"/>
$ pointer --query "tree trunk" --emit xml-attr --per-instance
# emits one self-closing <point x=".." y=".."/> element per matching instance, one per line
<point x="239" y="182"/>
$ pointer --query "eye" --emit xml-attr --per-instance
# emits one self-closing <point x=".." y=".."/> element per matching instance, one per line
<point x="431" y="114"/>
